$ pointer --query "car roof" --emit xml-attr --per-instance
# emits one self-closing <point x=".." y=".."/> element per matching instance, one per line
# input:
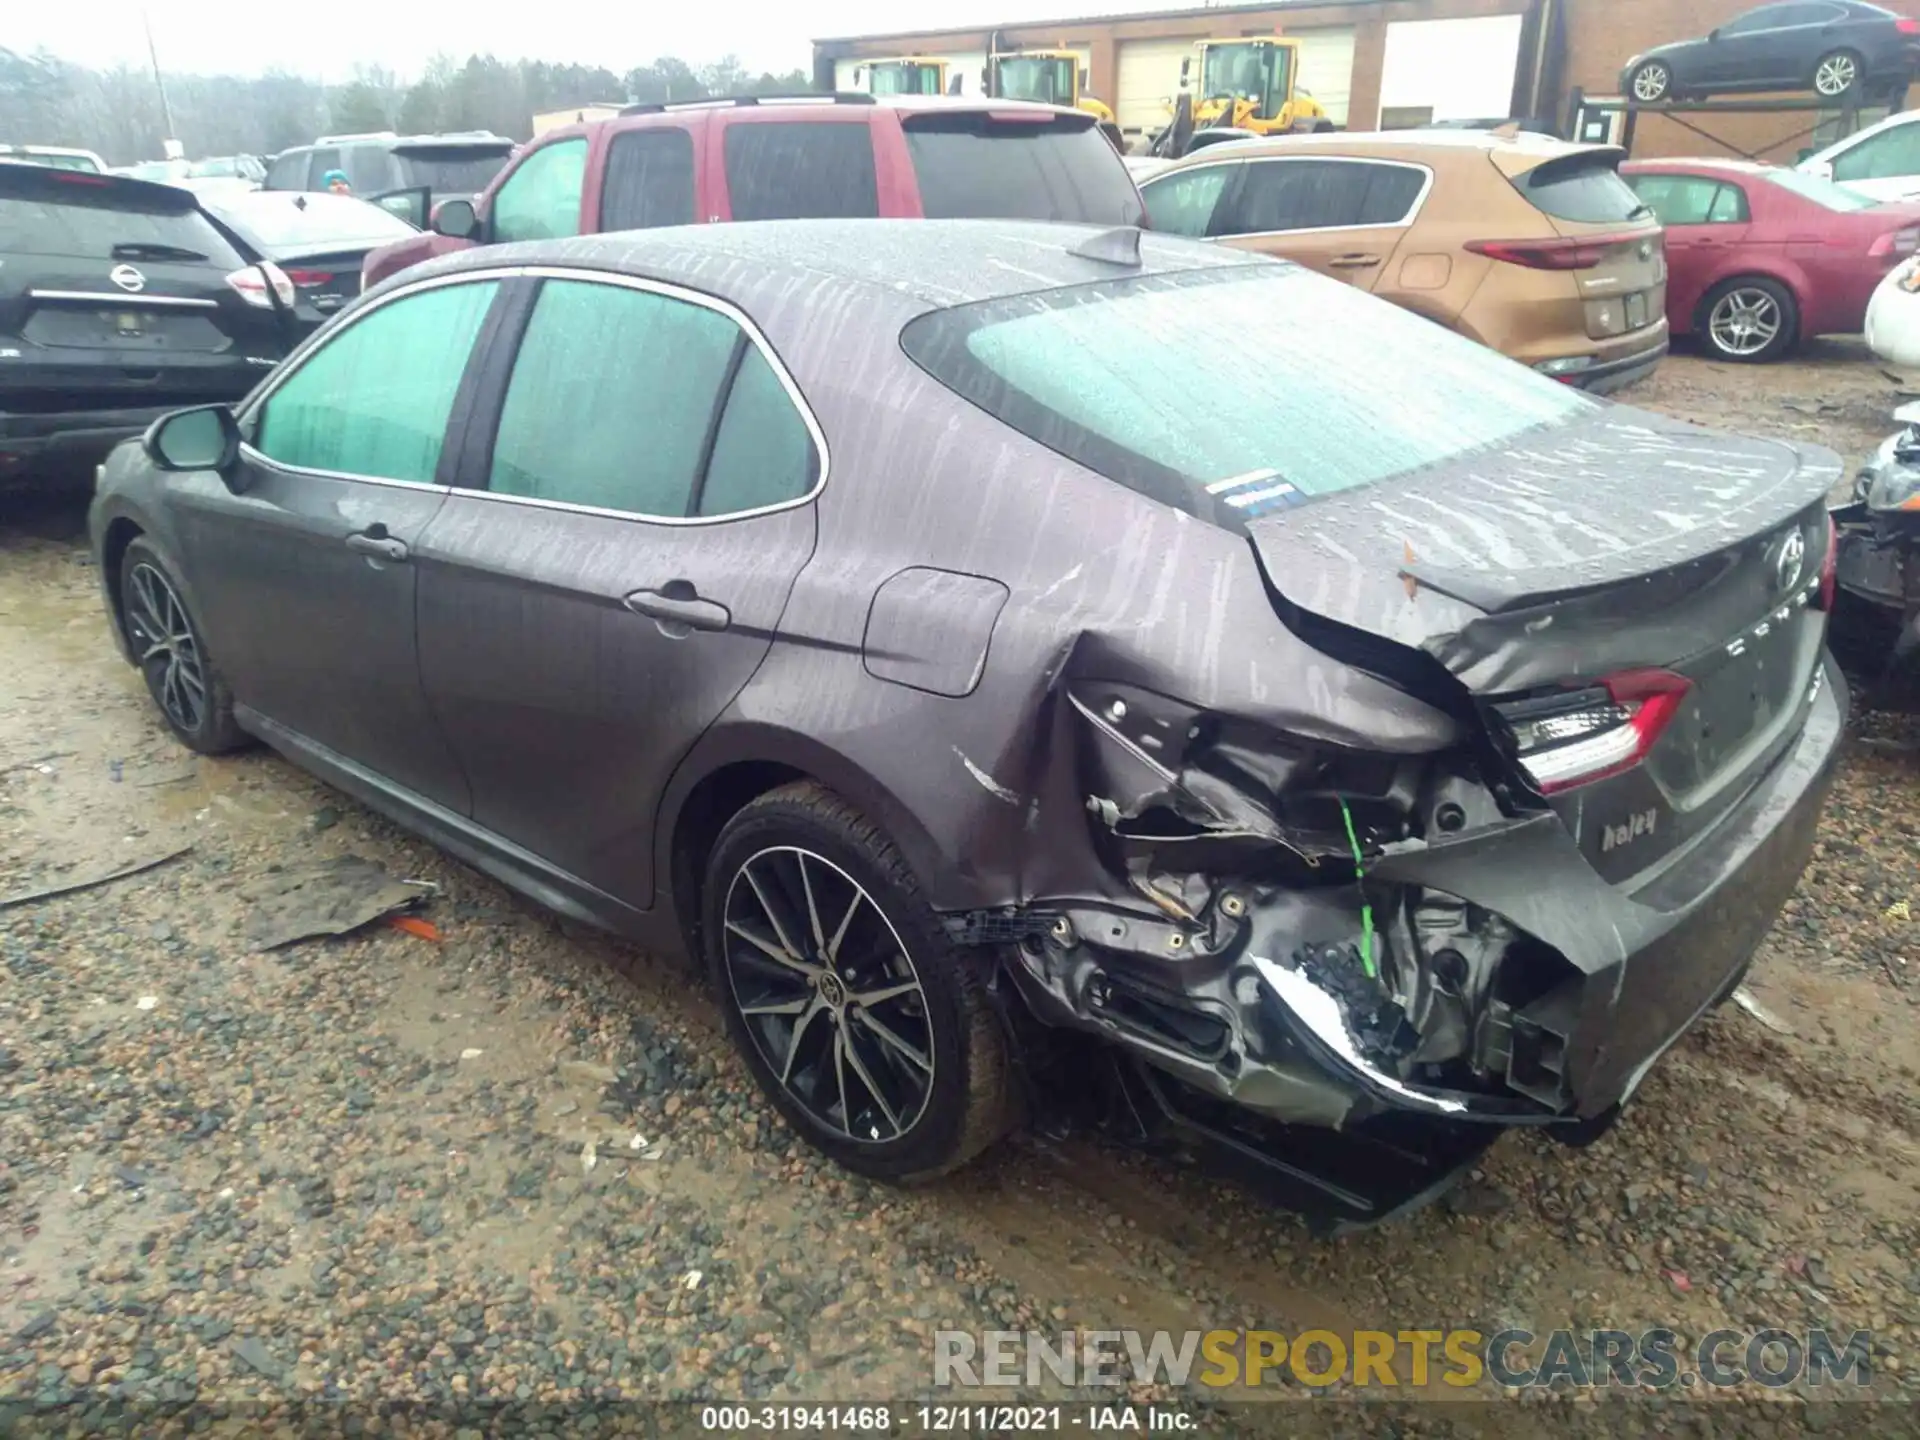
<point x="1402" y="144"/>
<point x="803" y="104"/>
<point x="925" y="264"/>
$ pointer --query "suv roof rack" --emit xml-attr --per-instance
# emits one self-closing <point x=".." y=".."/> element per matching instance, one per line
<point x="362" y="135"/>
<point x="834" y="97"/>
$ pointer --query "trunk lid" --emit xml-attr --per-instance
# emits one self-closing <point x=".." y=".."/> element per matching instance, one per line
<point x="1621" y="545"/>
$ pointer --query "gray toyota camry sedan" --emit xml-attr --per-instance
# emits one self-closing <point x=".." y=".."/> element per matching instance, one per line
<point x="1035" y="669"/>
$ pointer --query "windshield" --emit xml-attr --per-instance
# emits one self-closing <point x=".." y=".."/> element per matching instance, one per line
<point x="452" y="169"/>
<point x="901" y="78"/>
<point x="286" y="224"/>
<point x="1048" y="79"/>
<point x="1248" y="71"/>
<point x="1822" y="192"/>
<point x="1106" y="374"/>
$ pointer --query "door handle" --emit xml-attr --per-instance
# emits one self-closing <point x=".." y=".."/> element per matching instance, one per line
<point x="1356" y="261"/>
<point x="678" y="609"/>
<point x="374" y="540"/>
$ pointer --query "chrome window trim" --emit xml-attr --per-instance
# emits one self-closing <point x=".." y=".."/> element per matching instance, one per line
<point x="501" y="273"/>
<point x="1413" y="211"/>
<point x="125" y="299"/>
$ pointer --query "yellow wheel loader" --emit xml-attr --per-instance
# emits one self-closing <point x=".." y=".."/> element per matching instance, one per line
<point x="1252" y="85"/>
<point x="1052" y="77"/>
<point x="903" y="75"/>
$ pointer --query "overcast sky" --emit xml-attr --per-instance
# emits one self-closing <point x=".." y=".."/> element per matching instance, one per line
<point x="328" y="39"/>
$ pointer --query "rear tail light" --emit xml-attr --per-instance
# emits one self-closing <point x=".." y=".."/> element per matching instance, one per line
<point x="253" y="281"/>
<point x="1896" y="242"/>
<point x="1906" y="26"/>
<point x="1829" y="568"/>
<point x="1560" y="254"/>
<point x="1587" y="735"/>
<point x="307" y="279"/>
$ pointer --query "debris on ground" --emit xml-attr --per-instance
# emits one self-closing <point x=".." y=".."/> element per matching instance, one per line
<point x="328" y="897"/>
<point x="1744" y="998"/>
<point x="105" y="877"/>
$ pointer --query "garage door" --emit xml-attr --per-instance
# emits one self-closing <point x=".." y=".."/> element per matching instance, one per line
<point x="1449" y="70"/>
<point x="1326" y="68"/>
<point x="1149" y="79"/>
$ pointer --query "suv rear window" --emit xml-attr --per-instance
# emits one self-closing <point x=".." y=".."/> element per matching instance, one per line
<point x="1105" y="375"/>
<point x="454" y="169"/>
<point x="971" y="166"/>
<point x="801" y="170"/>
<point x="92" y="221"/>
<point x="1585" y="188"/>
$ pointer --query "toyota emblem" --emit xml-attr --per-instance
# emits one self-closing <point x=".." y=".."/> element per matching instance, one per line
<point x="127" y="278"/>
<point x="1786" y="565"/>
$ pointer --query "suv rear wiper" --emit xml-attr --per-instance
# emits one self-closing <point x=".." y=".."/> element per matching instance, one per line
<point x="152" y="250"/>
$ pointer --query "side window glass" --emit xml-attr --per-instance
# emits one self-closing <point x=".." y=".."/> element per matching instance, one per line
<point x="1886" y="156"/>
<point x="649" y="179"/>
<point x="1390" y="194"/>
<point x="1300" y="195"/>
<point x="541" y="199"/>
<point x="374" y="399"/>
<point x="1729" y="207"/>
<point x="319" y="162"/>
<point x="1676" y="199"/>
<point x="763" y="452"/>
<point x="369" y="169"/>
<point x="800" y="170"/>
<point x="289" y="172"/>
<point x="625" y="432"/>
<point x="1183" y="204"/>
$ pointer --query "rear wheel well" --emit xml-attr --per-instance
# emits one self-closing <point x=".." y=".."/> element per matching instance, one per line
<point x="113" y="548"/>
<point x="711" y="804"/>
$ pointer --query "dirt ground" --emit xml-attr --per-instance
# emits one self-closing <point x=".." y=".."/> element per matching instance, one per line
<point x="522" y="1163"/>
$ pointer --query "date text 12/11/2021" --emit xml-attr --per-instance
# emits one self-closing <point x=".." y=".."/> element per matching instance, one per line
<point x="942" y="1419"/>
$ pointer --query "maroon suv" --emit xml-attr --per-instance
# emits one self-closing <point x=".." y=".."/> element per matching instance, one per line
<point x="790" y="158"/>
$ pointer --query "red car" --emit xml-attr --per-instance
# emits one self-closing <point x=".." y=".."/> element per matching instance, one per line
<point x="1760" y="257"/>
<point x="789" y="158"/>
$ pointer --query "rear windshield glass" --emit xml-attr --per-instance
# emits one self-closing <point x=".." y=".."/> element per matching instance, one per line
<point x="279" y="222"/>
<point x="454" y="169"/>
<point x="89" y="225"/>
<point x="1821" y="192"/>
<point x="1113" y="375"/>
<point x="971" y="167"/>
<point x="801" y="170"/>
<point x="1586" y="189"/>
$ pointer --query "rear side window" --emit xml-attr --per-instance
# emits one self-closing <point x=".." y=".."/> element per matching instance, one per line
<point x="86" y="222"/>
<point x="1585" y="188"/>
<point x="1691" y="199"/>
<point x="370" y="169"/>
<point x="1321" y="195"/>
<point x="762" y="453"/>
<point x="649" y="179"/>
<point x="1105" y="374"/>
<point x="801" y="170"/>
<point x="541" y="200"/>
<point x="627" y="432"/>
<point x="375" y="398"/>
<point x="289" y="172"/>
<point x="319" y="162"/>
<point x="970" y="166"/>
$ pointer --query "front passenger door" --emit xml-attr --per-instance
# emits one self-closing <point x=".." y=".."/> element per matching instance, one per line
<point x="613" y="571"/>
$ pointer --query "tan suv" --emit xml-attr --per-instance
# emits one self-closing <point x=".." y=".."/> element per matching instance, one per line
<point x="1530" y="245"/>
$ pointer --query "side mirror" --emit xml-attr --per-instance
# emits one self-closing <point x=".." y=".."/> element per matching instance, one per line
<point x="206" y="437"/>
<point x="456" y="220"/>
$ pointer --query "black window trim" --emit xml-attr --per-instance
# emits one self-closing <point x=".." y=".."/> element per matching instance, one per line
<point x="484" y="424"/>
<point x="458" y="417"/>
<point x="1234" y="182"/>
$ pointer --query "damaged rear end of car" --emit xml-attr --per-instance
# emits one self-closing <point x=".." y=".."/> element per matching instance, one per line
<point x="1345" y="967"/>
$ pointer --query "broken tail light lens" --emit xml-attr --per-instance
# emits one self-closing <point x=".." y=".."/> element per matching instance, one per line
<point x="252" y="281"/>
<point x="307" y="279"/>
<point x="1906" y="26"/>
<point x="1582" y="253"/>
<point x="1900" y="243"/>
<point x="1587" y="735"/>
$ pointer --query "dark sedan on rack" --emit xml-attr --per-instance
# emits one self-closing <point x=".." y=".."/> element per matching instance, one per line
<point x="1844" y="51"/>
<point x="1415" y="750"/>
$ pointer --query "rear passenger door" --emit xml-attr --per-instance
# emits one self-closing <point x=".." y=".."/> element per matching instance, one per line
<point x="1705" y="219"/>
<point x="775" y="167"/>
<point x="1341" y="217"/>
<point x="610" y="572"/>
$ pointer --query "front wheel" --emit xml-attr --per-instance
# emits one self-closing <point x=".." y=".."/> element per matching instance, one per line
<point x="1836" y="75"/>
<point x="167" y="646"/>
<point x="1750" y="319"/>
<point x="1651" y="82"/>
<point x="863" y="1023"/>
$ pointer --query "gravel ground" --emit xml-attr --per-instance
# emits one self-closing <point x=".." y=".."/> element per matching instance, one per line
<point x="522" y="1164"/>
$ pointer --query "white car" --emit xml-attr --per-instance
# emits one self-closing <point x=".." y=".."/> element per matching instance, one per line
<point x="59" y="157"/>
<point x="1881" y="161"/>
<point x="1893" y="316"/>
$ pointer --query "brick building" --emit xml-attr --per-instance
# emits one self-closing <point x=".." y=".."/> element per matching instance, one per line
<point x="1378" y="63"/>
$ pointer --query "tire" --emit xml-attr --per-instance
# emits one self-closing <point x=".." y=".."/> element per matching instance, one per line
<point x="852" y="1087"/>
<point x="1651" y="82"/>
<point x="1770" y="326"/>
<point x="182" y="678"/>
<point x="1838" y="75"/>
